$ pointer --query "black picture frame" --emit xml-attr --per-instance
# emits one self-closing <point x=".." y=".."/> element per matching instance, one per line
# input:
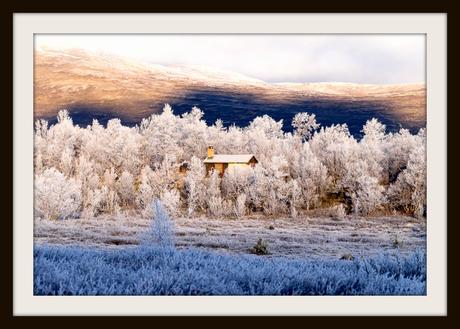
<point x="8" y="10"/>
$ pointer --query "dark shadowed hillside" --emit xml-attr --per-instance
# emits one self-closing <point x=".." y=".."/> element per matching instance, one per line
<point x="102" y="87"/>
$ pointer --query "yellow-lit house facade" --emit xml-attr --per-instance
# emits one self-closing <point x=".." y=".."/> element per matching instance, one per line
<point x="223" y="162"/>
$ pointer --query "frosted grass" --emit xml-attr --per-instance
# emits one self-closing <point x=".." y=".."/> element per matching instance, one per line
<point x="156" y="270"/>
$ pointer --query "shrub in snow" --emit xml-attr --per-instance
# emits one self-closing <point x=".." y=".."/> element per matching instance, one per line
<point x="56" y="197"/>
<point x="227" y="208"/>
<point x="347" y="257"/>
<point x="161" y="231"/>
<point x="260" y="248"/>
<point x="396" y="242"/>
<point x="215" y="206"/>
<point x="240" y="205"/>
<point x="94" y="200"/>
<point x="338" y="211"/>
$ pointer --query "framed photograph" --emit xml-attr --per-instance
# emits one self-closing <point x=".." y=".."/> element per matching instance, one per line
<point x="230" y="164"/>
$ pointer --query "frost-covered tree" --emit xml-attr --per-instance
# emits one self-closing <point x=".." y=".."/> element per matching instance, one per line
<point x="369" y="196"/>
<point x="194" y="186"/>
<point x="110" y="196"/>
<point x="160" y="136"/>
<point x="56" y="197"/>
<point x="171" y="201"/>
<point x="269" y="187"/>
<point x="363" y="190"/>
<point x="193" y="133"/>
<point x="115" y="146"/>
<point x="91" y="193"/>
<point x="216" y="136"/>
<point x="277" y="195"/>
<point x="305" y="124"/>
<point x="161" y="231"/>
<point x="125" y="189"/>
<point x="312" y="176"/>
<point x="118" y="168"/>
<point x="145" y="195"/>
<point x="40" y="145"/>
<point x="259" y="188"/>
<point x="335" y="148"/>
<point x="164" y="175"/>
<point x="267" y="125"/>
<point x="214" y="201"/>
<point x="296" y="197"/>
<point x="397" y="151"/>
<point x="409" y="190"/>
<point x="61" y="137"/>
<point x="373" y="148"/>
<point x="240" y="205"/>
<point x="67" y="162"/>
<point x="236" y="181"/>
<point x="236" y="141"/>
<point x="94" y="202"/>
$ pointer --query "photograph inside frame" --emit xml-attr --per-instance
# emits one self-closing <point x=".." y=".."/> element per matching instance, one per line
<point x="230" y="165"/>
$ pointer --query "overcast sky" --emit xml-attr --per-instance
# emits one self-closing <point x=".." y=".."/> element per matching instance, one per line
<point x="377" y="59"/>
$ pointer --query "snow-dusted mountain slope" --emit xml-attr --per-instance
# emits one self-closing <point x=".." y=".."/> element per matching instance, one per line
<point x="102" y="86"/>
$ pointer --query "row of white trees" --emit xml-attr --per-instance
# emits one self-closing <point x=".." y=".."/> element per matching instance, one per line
<point x="84" y="172"/>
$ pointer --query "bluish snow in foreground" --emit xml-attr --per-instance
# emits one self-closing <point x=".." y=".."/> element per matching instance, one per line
<point x="152" y="270"/>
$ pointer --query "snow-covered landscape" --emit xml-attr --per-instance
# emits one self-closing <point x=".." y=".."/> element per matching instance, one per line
<point x="167" y="201"/>
<point x="85" y="172"/>
<point x="318" y="195"/>
<point x="157" y="265"/>
<point x="101" y="86"/>
<point x="312" y="238"/>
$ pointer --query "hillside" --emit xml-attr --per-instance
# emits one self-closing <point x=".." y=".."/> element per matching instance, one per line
<point x="104" y="86"/>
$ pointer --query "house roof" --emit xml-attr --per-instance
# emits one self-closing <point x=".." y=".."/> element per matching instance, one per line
<point x="230" y="158"/>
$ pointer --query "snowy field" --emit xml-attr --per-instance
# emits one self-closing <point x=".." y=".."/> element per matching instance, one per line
<point x="152" y="270"/>
<point x="322" y="237"/>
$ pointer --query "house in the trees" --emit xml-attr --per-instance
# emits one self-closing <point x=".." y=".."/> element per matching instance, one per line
<point x="223" y="162"/>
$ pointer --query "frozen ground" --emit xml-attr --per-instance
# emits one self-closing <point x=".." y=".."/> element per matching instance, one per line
<point x="153" y="270"/>
<point x="312" y="238"/>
